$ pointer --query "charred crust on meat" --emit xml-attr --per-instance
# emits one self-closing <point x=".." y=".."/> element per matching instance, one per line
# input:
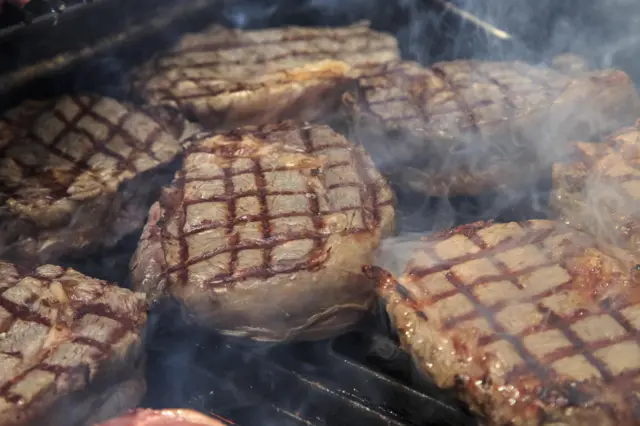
<point x="468" y="230"/>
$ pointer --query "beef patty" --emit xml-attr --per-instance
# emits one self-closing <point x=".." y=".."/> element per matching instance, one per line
<point x="598" y="189"/>
<point x="166" y="417"/>
<point x="529" y="322"/>
<point x="461" y="127"/>
<point x="70" y="347"/>
<point x="77" y="172"/>
<point x="264" y="231"/>
<point x="228" y="77"/>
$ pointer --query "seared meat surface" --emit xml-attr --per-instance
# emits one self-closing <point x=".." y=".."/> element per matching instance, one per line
<point x="528" y="322"/>
<point x="598" y="189"/>
<point x="228" y="77"/>
<point x="168" y="417"/>
<point x="77" y="173"/>
<point x="70" y="347"/>
<point x="461" y="127"/>
<point x="264" y="231"/>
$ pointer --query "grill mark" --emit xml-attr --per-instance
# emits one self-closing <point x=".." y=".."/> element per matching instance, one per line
<point x="104" y="310"/>
<point x="317" y="255"/>
<point x="464" y="107"/>
<point x="258" y="217"/>
<point x="255" y="193"/>
<point x="503" y="246"/>
<point x="405" y="294"/>
<point x="229" y="189"/>
<point x="457" y="97"/>
<point x="183" y="250"/>
<point x="264" y="215"/>
<point x="95" y="145"/>
<point x="557" y="322"/>
<point x="370" y="204"/>
<point x="23" y="312"/>
<point x="489" y="315"/>
<point x="313" y="202"/>
<point x="577" y="345"/>
<point x="278" y="41"/>
<point x="532" y="299"/>
<point x="510" y="276"/>
<point x="274" y="241"/>
<point x="225" y="86"/>
<point x="504" y="89"/>
<point x="88" y="341"/>
<point x="58" y="370"/>
<point x="234" y="173"/>
<point x="606" y="307"/>
<point x="130" y="140"/>
<point x="270" y="136"/>
<point x="50" y="147"/>
<point x="77" y="166"/>
<point x="46" y="177"/>
<point x="341" y="54"/>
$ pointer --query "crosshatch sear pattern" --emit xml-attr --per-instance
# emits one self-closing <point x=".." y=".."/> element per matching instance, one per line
<point x="67" y="340"/>
<point x="187" y="417"/>
<point x="265" y="229"/>
<point x="598" y="188"/>
<point x="63" y="163"/>
<point x="228" y="77"/>
<point x="461" y="127"/>
<point x="529" y="322"/>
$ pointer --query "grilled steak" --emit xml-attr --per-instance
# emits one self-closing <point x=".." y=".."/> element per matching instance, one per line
<point x="264" y="231"/>
<point x="459" y="128"/>
<point x="169" y="417"/>
<point x="77" y="172"/>
<point x="528" y="322"/>
<point x="70" y="348"/>
<point x="226" y="77"/>
<point x="598" y="189"/>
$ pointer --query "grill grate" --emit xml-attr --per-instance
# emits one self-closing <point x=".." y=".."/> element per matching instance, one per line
<point x="357" y="378"/>
<point x="46" y="12"/>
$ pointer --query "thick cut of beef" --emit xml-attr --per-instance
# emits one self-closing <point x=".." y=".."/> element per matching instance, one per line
<point x="77" y="172"/>
<point x="227" y="77"/>
<point x="598" y="189"/>
<point x="71" y="350"/>
<point x="167" y="417"/>
<point x="264" y="231"/>
<point x="461" y="127"/>
<point x="529" y="322"/>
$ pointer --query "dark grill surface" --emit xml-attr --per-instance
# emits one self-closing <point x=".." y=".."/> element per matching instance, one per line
<point x="37" y="11"/>
<point x="358" y="378"/>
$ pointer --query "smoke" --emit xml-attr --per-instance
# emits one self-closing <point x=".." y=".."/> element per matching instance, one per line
<point x="601" y="31"/>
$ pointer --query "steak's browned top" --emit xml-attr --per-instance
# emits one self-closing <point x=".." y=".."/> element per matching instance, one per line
<point x="465" y="126"/>
<point x="61" y="331"/>
<point x="227" y="78"/>
<point x="599" y="188"/>
<point x="527" y="319"/>
<point x="448" y="99"/>
<point x="237" y="55"/>
<point x="75" y="148"/>
<point x="263" y="201"/>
